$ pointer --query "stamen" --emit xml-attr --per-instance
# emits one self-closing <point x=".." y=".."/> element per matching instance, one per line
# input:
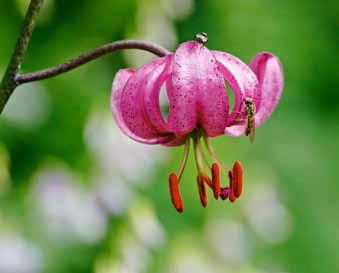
<point x="215" y="186"/>
<point x="213" y="154"/>
<point x="201" y="152"/>
<point x="216" y="180"/>
<point x="184" y="158"/>
<point x="175" y="193"/>
<point x="232" y="196"/>
<point x="210" y="147"/>
<point x="207" y="180"/>
<point x="238" y="178"/>
<point x="202" y="190"/>
<point x="197" y="155"/>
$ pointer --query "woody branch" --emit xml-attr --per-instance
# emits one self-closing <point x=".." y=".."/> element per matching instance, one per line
<point x="12" y="78"/>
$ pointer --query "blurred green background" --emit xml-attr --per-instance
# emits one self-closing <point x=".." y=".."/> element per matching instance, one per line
<point x="77" y="196"/>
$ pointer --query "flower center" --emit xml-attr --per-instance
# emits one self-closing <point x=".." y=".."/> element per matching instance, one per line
<point x="235" y="175"/>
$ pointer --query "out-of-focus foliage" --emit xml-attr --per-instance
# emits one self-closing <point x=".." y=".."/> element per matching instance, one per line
<point x="77" y="196"/>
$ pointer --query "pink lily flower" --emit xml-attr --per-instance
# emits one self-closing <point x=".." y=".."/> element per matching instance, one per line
<point x="199" y="107"/>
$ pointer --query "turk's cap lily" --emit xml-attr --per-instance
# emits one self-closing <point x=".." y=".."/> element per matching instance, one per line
<point x="199" y="105"/>
<point x="195" y="80"/>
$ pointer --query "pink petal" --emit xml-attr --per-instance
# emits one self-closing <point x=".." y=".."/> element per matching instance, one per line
<point x="269" y="71"/>
<point x="235" y="130"/>
<point x="151" y="91"/>
<point x="120" y="79"/>
<point x="242" y="80"/>
<point x="124" y="90"/>
<point x="196" y="92"/>
<point x="181" y="92"/>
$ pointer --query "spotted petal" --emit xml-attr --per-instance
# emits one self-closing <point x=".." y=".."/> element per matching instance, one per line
<point x="196" y="92"/>
<point x="151" y="92"/>
<point x="120" y="79"/>
<point x="127" y="105"/>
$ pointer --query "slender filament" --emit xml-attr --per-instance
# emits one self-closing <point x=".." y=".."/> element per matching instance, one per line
<point x="197" y="155"/>
<point x="201" y="152"/>
<point x="184" y="158"/>
<point x="214" y="155"/>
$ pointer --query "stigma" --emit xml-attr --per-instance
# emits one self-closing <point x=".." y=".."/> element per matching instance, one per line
<point x="209" y="177"/>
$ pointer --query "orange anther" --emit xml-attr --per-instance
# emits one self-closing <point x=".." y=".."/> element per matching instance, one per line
<point x="232" y="196"/>
<point x="202" y="190"/>
<point x="238" y="178"/>
<point x="175" y="193"/>
<point x="216" y="180"/>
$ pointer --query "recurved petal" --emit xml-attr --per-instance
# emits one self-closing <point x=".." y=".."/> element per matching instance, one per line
<point x="242" y="81"/>
<point x="269" y="72"/>
<point x="126" y="104"/>
<point x="151" y="90"/>
<point x="181" y="92"/>
<point x="196" y="92"/>
<point x="120" y="79"/>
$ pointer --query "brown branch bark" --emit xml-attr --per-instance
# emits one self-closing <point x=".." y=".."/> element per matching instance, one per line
<point x="8" y="83"/>
<point x="90" y="56"/>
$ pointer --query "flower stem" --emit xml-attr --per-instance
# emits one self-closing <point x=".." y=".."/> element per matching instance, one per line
<point x="8" y="83"/>
<point x="90" y="56"/>
<point x="12" y="79"/>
